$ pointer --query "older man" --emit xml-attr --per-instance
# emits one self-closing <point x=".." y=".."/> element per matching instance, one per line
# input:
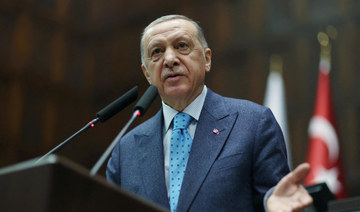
<point x="202" y="151"/>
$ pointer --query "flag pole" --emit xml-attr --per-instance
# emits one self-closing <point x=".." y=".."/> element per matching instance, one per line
<point x="276" y="63"/>
<point x="325" y="48"/>
<point x="324" y="153"/>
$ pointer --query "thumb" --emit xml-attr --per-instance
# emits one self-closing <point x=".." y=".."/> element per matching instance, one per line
<point x="293" y="179"/>
<point x="299" y="173"/>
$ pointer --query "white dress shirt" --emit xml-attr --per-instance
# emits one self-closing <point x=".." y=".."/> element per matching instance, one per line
<point x="194" y="110"/>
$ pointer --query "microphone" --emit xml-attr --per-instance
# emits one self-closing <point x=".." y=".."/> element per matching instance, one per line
<point x="145" y="101"/>
<point x="117" y="105"/>
<point x="102" y="116"/>
<point x="139" y="109"/>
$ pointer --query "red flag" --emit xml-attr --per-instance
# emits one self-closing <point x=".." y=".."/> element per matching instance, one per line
<point x="324" y="148"/>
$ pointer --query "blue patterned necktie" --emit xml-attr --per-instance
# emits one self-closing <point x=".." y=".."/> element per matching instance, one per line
<point x="180" y="145"/>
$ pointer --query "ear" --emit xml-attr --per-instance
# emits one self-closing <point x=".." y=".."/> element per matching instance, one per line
<point x="146" y="73"/>
<point x="207" y="59"/>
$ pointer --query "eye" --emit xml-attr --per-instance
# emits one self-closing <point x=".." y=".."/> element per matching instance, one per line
<point x="156" y="54"/>
<point x="156" y="51"/>
<point x="182" y="46"/>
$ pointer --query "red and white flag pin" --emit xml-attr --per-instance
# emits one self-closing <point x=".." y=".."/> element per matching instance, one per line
<point x="216" y="131"/>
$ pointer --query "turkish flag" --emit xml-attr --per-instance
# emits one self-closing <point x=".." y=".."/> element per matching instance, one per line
<point x="324" y="153"/>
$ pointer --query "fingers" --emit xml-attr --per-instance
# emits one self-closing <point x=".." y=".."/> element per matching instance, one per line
<point x="294" y="202"/>
<point x="299" y="173"/>
<point x="289" y="194"/>
<point x="302" y="198"/>
<point x="290" y="183"/>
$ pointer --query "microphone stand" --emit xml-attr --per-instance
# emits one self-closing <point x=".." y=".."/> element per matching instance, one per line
<point x="88" y="125"/>
<point x="139" y="110"/>
<point x="102" y="116"/>
<point x="108" y="151"/>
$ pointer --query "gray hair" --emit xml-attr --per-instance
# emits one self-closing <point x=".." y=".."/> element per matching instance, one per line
<point x="200" y="33"/>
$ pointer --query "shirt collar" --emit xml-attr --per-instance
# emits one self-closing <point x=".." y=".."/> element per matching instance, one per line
<point x="193" y="109"/>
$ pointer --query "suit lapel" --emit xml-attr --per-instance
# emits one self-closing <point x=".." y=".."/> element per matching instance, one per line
<point x="206" y="146"/>
<point x="151" y="160"/>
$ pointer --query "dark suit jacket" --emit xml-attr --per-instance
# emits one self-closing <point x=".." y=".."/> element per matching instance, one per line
<point x="228" y="171"/>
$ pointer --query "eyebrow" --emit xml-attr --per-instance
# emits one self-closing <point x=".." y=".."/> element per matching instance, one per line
<point x="154" y="43"/>
<point x="158" y="42"/>
<point x="179" y="37"/>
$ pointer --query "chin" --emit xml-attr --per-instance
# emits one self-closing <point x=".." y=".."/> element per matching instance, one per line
<point x="176" y="92"/>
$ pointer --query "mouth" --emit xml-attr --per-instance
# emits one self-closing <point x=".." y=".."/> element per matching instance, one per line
<point x="173" y="76"/>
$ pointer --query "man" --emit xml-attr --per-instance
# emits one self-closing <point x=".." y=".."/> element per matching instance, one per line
<point x="231" y="151"/>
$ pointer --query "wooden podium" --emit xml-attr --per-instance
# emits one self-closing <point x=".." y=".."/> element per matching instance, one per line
<point x="58" y="184"/>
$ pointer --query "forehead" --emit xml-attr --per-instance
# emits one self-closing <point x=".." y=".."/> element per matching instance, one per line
<point x="168" y="28"/>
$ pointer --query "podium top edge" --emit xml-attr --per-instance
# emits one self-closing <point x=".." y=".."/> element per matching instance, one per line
<point x="51" y="159"/>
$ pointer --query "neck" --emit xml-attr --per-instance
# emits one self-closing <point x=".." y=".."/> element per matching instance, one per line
<point x="177" y="104"/>
<point x="180" y="103"/>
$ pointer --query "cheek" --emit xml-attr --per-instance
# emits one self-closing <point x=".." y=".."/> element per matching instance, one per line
<point x="200" y="76"/>
<point x="197" y="68"/>
<point x="154" y="73"/>
<point x="197" y="61"/>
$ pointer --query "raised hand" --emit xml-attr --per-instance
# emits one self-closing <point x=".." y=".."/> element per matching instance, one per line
<point x="289" y="194"/>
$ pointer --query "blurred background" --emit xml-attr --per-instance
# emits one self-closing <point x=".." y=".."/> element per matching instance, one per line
<point x="62" y="61"/>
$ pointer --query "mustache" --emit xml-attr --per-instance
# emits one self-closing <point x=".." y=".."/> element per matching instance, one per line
<point x="171" y="72"/>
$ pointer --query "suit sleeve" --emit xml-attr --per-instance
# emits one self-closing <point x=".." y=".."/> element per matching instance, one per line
<point x="113" y="166"/>
<point x="269" y="156"/>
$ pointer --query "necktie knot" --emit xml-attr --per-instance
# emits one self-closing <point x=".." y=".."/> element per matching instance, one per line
<point x="182" y="121"/>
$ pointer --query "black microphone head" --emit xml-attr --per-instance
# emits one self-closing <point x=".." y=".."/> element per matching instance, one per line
<point x="145" y="101"/>
<point x="117" y="105"/>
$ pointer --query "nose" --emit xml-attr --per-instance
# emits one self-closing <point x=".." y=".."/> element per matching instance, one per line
<point x="170" y="58"/>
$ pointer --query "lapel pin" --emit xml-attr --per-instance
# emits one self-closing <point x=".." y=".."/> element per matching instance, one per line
<point x="216" y="131"/>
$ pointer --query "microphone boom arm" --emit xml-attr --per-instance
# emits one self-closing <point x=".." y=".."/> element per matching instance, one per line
<point x="108" y="151"/>
<point x="88" y="125"/>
